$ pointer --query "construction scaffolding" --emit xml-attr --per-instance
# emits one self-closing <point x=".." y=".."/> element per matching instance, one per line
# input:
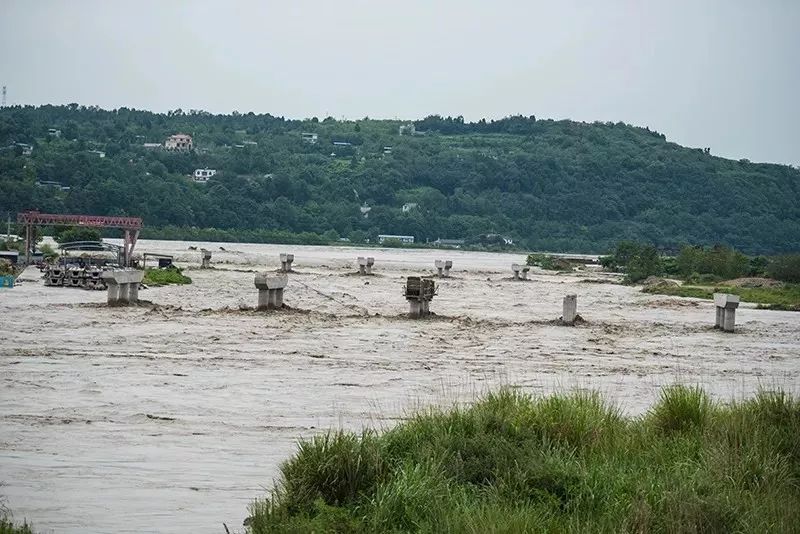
<point x="32" y="219"/>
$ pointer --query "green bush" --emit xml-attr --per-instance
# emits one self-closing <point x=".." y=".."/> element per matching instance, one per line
<point x="720" y="261"/>
<point x="681" y="408"/>
<point x="636" y="260"/>
<point x="162" y="277"/>
<point x="563" y="463"/>
<point x="703" y="279"/>
<point x="48" y="251"/>
<point x="6" y="268"/>
<point x="785" y="268"/>
<point x="9" y="527"/>
<point x="548" y="262"/>
<point x="68" y="234"/>
<point x="785" y="297"/>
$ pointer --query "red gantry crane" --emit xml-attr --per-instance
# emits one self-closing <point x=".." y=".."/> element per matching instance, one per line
<point x="131" y="226"/>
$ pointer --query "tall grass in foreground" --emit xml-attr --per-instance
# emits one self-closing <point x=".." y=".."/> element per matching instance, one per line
<point x="7" y="527"/>
<point x="564" y="463"/>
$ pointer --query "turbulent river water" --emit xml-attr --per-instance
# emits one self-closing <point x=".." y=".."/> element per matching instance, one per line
<point x="173" y="416"/>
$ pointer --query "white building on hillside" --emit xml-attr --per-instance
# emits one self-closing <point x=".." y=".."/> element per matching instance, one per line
<point x="202" y="175"/>
<point x="401" y="238"/>
<point x="178" y="142"/>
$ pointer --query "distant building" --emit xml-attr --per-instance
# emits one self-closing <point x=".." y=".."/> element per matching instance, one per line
<point x="454" y="243"/>
<point x="152" y="146"/>
<point x="179" y="142"/>
<point x="409" y="206"/>
<point x="310" y="138"/>
<point x="342" y="143"/>
<point x="251" y="143"/>
<point x="27" y="149"/>
<point x="51" y="183"/>
<point x="387" y="150"/>
<point x="202" y="175"/>
<point x="401" y="238"/>
<point x="53" y="132"/>
<point x="99" y="153"/>
<point x="407" y="129"/>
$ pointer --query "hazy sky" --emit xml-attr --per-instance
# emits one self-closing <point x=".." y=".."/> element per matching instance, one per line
<point x="718" y="73"/>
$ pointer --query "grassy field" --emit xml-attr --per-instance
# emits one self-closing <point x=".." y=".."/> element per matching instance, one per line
<point x="785" y="297"/>
<point x="564" y="463"/>
<point x="161" y="277"/>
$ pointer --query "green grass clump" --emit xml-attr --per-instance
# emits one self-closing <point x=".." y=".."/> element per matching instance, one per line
<point x="785" y="297"/>
<point x="8" y="527"/>
<point x="549" y="263"/>
<point x="162" y="277"/>
<point x="564" y="463"/>
<point x="681" y="408"/>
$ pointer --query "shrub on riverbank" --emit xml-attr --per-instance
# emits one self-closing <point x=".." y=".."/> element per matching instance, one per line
<point x="162" y="277"/>
<point x="565" y="463"/>
<point x="781" y="297"/>
<point x="548" y="262"/>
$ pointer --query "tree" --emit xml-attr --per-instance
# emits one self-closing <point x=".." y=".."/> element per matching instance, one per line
<point x="68" y="234"/>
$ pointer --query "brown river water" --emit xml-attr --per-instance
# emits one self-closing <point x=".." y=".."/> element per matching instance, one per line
<point x="173" y="417"/>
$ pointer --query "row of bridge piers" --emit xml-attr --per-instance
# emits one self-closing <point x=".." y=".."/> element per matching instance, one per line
<point x="123" y="289"/>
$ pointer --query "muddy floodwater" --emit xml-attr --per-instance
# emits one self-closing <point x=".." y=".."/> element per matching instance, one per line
<point x="173" y="416"/>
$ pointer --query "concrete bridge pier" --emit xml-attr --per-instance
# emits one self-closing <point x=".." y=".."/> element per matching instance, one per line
<point x="726" y="305"/>
<point x="570" y="310"/>
<point x="270" y="290"/>
<point x="123" y="286"/>
<point x="365" y="265"/>
<point x="206" y="259"/>
<point x="286" y="262"/>
<point x="443" y="268"/>
<point x="520" y="271"/>
<point x="419" y="292"/>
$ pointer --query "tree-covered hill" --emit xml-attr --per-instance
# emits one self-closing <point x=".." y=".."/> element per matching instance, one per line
<point x="555" y="185"/>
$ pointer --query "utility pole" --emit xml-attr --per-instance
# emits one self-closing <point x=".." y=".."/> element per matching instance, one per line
<point x="8" y="228"/>
<point x="4" y="96"/>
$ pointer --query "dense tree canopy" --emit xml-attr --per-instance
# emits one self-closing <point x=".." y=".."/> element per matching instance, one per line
<point x="555" y="185"/>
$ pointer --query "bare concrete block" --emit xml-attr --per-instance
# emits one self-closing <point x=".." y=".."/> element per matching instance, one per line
<point x="205" y="262"/>
<point x="570" y="310"/>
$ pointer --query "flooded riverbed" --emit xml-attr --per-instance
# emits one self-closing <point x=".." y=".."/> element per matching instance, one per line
<point x="172" y="417"/>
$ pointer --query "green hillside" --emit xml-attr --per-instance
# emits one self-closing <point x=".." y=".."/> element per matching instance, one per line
<point x="555" y="185"/>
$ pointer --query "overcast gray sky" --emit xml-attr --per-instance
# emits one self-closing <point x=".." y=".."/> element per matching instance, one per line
<point x="717" y="73"/>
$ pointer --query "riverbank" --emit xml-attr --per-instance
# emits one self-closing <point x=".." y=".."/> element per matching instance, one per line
<point x="561" y="463"/>
<point x="778" y="297"/>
